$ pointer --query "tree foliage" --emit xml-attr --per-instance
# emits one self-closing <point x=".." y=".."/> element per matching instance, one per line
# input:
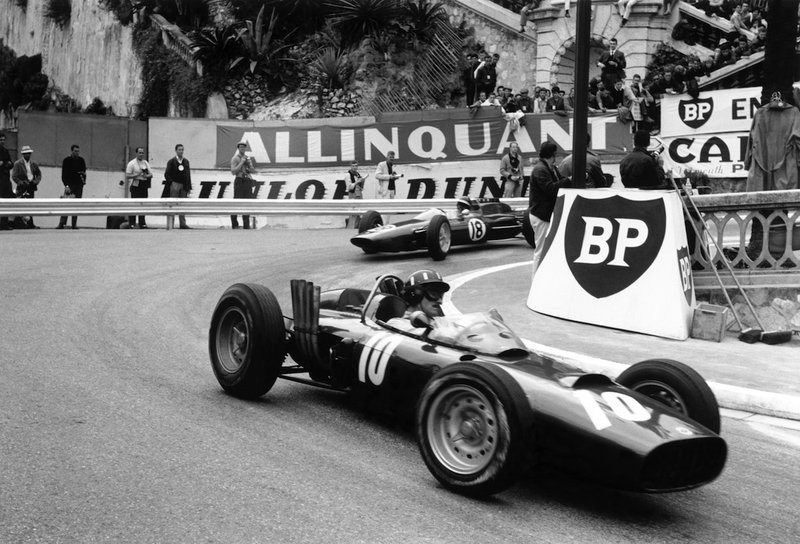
<point x="59" y="11"/>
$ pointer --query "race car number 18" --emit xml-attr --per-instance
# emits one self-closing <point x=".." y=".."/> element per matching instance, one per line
<point x="623" y="406"/>
<point x="477" y="229"/>
<point x="375" y="356"/>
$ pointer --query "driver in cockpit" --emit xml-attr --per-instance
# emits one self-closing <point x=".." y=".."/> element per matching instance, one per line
<point x="423" y="291"/>
<point x="464" y="206"/>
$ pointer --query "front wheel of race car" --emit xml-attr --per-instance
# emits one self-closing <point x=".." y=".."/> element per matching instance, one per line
<point x="369" y="220"/>
<point x="469" y="429"/>
<point x="438" y="237"/>
<point x="678" y="386"/>
<point x="247" y="340"/>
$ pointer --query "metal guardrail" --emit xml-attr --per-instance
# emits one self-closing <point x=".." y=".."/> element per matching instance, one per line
<point x="220" y="206"/>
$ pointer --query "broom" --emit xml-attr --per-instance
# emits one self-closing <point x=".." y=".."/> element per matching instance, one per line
<point x="750" y="335"/>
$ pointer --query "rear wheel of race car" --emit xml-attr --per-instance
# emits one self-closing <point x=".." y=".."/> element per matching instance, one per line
<point x="469" y="430"/>
<point x="438" y="237"/>
<point x="678" y="386"/>
<point x="527" y="232"/>
<point x="247" y="340"/>
<point x="369" y="220"/>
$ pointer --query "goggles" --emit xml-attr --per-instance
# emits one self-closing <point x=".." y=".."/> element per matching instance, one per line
<point x="433" y="296"/>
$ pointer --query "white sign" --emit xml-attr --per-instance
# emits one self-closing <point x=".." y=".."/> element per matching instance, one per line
<point x="718" y="155"/>
<point x="617" y="258"/>
<point x="714" y="112"/>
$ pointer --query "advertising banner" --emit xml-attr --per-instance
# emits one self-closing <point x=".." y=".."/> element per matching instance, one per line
<point x="708" y="133"/>
<point x="617" y="258"/>
<point x="450" y="135"/>
<point x="436" y="180"/>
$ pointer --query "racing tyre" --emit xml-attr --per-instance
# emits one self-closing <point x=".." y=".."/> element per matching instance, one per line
<point x="247" y="340"/>
<point x="469" y="429"/>
<point x="370" y="220"/>
<point x="527" y="232"/>
<point x="678" y="386"/>
<point x="438" y="237"/>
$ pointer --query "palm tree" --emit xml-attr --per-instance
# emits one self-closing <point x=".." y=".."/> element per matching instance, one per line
<point x="357" y="19"/>
<point x="216" y="48"/>
<point x="261" y="50"/>
<point x="423" y="19"/>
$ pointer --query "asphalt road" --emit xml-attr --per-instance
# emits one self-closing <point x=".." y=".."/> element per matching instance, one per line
<point x="113" y="428"/>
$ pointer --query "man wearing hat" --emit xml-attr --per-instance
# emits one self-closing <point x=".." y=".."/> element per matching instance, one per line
<point x="525" y="102"/>
<point x="242" y="167"/>
<point x="26" y="175"/>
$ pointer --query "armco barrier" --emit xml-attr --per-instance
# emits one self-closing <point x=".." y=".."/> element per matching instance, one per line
<point x="219" y="206"/>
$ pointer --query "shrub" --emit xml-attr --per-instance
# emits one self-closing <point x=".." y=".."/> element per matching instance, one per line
<point x="59" y="11"/>
<point x="331" y="68"/>
<point x="22" y="4"/>
<point x="96" y="107"/>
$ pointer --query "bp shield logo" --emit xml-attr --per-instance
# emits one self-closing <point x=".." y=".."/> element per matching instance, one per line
<point x="610" y="242"/>
<point x="694" y="113"/>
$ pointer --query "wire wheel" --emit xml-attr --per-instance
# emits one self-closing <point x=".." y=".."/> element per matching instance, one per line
<point x="462" y="428"/>
<point x="232" y="340"/>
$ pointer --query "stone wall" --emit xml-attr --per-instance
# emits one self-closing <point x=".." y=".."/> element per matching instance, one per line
<point x="92" y="56"/>
<point x="545" y="53"/>
<point x="497" y="30"/>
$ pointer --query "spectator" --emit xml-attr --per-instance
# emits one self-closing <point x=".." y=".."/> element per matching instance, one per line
<point x="469" y="77"/>
<point x="738" y="23"/>
<point x="73" y="176"/>
<point x="491" y="101"/>
<point x="386" y="177"/>
<point x="526" y="14"/>
<point x="27" y="175"/>
<point x="179" y="178"/>
<point x="624" y="7"/>
<point x="242" y="167"/>
<point x="525" y="102"/>
<point x="602" y="101"/>
<point x="685" y="31"/>
<point x="641" y="169"/>
<point x="540" y="103"/>
<point x="612" y="64"/>
<point x="6" y="190"/>
<point x="666" y="5"/>
<point x="712" y="8"/>
<point x="486" y="75"/>
<point x="566" y="7"/>
<point x="724" y="54"/>
<point x="510" y="105"/>
<point x="137" y="172"/>
<point x="645" y="99"/>
<point x="760" y="40"/>
<point x="512" y="171"/>
<point x="556" y="101"/>
<point x="355" y="191"/>
<point x="480" y="100"/>
<point x="595" y="178"/>
<point x="545" y="183"/>
<point x="569" y="102"/>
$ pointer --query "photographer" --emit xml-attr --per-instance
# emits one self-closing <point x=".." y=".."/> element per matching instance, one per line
<point x="139" y="175"/>
<point x="511" y="171"/>
<point x="242" y="167"/>
<point x="641" y="169"/>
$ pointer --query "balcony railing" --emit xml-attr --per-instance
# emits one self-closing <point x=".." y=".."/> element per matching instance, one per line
<point x="758" y="232"/>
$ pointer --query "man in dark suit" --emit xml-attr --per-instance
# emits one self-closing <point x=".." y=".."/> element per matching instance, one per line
<point x="545" y="183"/>
<point x="612" y="64"/>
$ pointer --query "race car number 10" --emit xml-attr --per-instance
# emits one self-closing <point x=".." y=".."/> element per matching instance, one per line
<point x="375" y="356"/>
<point x="623" y="406"/>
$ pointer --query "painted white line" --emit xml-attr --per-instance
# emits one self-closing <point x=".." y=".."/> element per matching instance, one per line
<point x="731" y="397"/>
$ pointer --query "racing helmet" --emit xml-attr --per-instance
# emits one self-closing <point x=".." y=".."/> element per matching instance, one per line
<point x="420" y="281"/>
<point x="465" y="203"/>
